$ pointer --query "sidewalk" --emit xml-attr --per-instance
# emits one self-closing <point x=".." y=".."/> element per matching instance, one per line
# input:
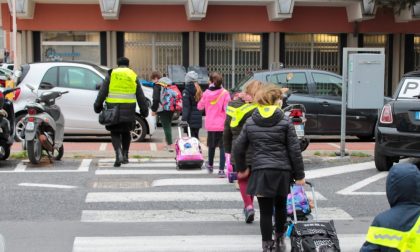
<point x="156" y="150"/>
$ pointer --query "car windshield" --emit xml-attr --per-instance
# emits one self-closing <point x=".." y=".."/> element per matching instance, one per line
<point x="410" y="88"/>
<point x="245" y="80"/>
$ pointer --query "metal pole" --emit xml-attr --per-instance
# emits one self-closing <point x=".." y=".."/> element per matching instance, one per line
<point x="344" y="105"/>
<point x="14" y="46"/>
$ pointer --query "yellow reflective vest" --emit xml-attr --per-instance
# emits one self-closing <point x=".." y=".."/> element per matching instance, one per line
<point x="267" y="111"/>
<point x="237" y="114"/>
<point x="122" y="86"/>
<point x="403" y="241"/>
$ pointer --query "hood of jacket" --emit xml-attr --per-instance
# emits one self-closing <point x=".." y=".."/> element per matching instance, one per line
<point x="214" y="94"/>
<point x="277" y="116"/>
<point x="403" y="184"/>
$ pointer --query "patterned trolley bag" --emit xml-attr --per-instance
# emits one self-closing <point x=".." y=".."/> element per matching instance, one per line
<point x="312" y="236"/>
<point x="188" y="151"/>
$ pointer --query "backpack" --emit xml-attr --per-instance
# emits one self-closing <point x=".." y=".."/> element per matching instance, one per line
<point x="170" y="99"/>
<point x="301" y="202"/>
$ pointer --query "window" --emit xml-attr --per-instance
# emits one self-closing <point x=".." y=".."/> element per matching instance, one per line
<point x="80" y="78"/>
<point x="296" y="82"/>
<point x="50" y="76"/>
<point x="327" y="85"/>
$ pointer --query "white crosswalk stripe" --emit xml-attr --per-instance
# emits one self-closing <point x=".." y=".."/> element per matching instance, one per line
<point x="190" y="200"/>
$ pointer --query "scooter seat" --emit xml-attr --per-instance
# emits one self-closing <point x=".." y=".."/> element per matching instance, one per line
<point x="53" y="111"/>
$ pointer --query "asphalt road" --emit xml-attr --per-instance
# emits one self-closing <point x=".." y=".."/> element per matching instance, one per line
<point x="87" y="205"/>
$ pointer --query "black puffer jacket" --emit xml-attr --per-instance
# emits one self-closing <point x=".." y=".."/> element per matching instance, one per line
<point x="231" y="134"/>
<point x="190" y="113"/>
<point x="127" y="112"/>
<point x="274" y="143"/>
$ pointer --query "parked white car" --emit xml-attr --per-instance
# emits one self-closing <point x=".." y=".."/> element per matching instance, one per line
<point x="82" y="80"/>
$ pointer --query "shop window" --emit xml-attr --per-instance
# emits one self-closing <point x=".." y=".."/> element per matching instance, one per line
<point x="327" y="85"/>
<point x="150" y="52"/>
<point x="417" y="52"/>
<point x="314" y="51"/>
<point x="233" y="55"/>
<point x="79" y="78"/>
<point x="71" y="46"/>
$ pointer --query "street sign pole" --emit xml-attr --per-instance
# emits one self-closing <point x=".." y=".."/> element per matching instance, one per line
<point x="14" y="46"/>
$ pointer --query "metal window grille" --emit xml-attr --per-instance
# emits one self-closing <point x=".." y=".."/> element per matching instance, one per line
<point x="150" y="52"/>
<point x="233" y="55"/>
<point x="417" y="52"/>
<point x="316" y="51"/>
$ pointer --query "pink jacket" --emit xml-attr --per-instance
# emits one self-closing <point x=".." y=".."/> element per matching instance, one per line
<point x="215" y="103"/>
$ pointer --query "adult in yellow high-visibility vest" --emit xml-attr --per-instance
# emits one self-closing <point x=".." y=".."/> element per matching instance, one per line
<point x="122" y="89"/>
<point x="398" y="229"/>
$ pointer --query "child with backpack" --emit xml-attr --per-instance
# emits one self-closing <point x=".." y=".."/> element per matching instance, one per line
<point x="214" y="101"/>
<point x="277" y="159"/>
<point x="190" y="97"/>
<point x="165" y="101"/>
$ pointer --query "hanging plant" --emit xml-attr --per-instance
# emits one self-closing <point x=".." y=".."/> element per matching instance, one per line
<point x="398" y="5"/>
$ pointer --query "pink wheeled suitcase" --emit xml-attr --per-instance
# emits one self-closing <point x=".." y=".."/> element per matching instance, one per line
<point x="188" y="151"/>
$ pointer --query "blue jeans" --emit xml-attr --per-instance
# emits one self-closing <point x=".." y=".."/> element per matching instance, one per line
<point x="212" y="152"/>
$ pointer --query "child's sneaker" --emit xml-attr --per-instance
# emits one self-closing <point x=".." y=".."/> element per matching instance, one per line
<point x="249" y="213"/>
<point x="209" y="168"/>
<point x="222" y="174"/>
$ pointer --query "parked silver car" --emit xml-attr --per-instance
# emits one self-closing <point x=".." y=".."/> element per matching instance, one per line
<point x="82" y="80"/>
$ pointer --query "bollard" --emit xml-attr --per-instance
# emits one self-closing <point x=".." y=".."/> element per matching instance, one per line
<point x="2" y="244"/>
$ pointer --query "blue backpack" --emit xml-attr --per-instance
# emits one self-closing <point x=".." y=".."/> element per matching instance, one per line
<point x="167" y="99"/>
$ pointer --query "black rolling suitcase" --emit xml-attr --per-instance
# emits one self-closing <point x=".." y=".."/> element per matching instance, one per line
<point x="312" y="236"/>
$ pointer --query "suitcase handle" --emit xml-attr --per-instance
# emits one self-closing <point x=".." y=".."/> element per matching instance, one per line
<point x="313" y="196"/>
<point x="183" y="126"/>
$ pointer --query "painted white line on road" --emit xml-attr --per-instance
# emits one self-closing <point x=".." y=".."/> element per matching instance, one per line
<point x="84" y="166"/>
<point x="334" y="145"/>
<point x="140" y="165"/>
<point x="98" y="197"/>
<point x="103" y="146"/>
<point x="351" y="190"/>
<point x="190" y="182"/>
<point x="148" y="172"/>
<point x="153" y="147"/>
<point x="47" y="185"/>
<point x="43" y="171"/>
<point x="189" y="215"/>
<point x="21" y="167"/>
<point x="337" y="170"/>
<point x="193" y="243"/>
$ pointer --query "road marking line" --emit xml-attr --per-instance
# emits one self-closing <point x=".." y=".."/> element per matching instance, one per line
<point x="192" y="243"/>
<point x="98" y="197"/>
<point x="148" y="172"/>
<point x="163" y="161"/>
<point x="153" y="147"/>
<point x="140" y="165"/>
<point x="189" y="215"/>
<point x="103" y="146"/>
<point x="21" y="167"/>
<point x="337" y="170"/>
<point x="84" y="166"/>
<point x="47" y="185"/>
<point x="44" y="171"/>
<point x="351" y="190"/>
<point x="334" y="145"/>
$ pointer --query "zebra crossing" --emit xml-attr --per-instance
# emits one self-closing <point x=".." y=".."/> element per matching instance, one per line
<point x="177" y="198"/>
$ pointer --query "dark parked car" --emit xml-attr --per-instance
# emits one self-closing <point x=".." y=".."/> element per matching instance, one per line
<point x="398" y="130"/>
<point x="320" y="93"/>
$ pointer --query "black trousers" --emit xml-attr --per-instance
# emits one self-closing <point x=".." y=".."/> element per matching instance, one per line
<point x="121" y="141"/>
<point x="267" y="206"/>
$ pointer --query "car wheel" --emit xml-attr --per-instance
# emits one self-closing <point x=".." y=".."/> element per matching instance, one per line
<point x="382" y="162"/>
<point x="140" y="130"/>
<point x="20" y="128"/>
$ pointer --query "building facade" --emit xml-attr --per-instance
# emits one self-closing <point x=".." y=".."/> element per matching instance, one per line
<point x="230" y="36"/>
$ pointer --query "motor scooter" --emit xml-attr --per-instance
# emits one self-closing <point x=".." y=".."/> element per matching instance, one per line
<point x="44" y="127"/>
<point x="296" y="114"/>
<point x="7" y="122"/>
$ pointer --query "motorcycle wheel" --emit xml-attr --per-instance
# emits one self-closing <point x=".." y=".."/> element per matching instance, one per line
<point x="6" y="153"/>
<point x="34" y="148"/>
<point x="59" y="154"/>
